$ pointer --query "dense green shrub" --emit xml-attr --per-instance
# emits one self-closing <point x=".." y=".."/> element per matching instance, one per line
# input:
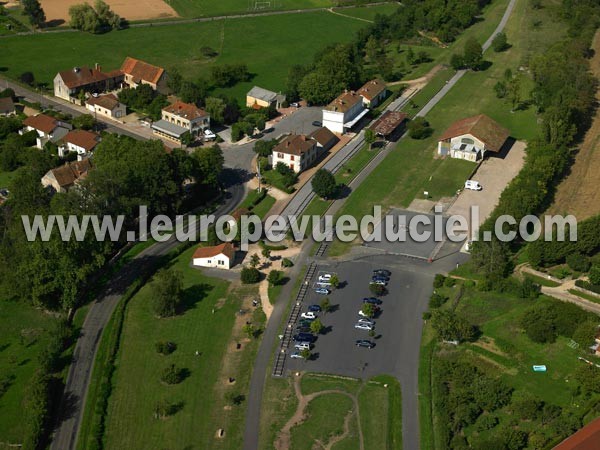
<point x="250" y="275"/>
<point x="578" y="262"/>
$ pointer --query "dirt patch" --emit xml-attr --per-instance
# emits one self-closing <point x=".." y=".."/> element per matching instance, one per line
<point x="488" y="343"/>
<point x="578" y="194"/>
<point x="58" y="10"/>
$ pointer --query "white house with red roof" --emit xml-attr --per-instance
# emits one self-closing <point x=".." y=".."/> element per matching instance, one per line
<point x="220" y="256"/>
<point x="82" y="142"/>
<point x="180" y="118"/>
<point x="106" y="105"/>
<point x="48" y="128"/>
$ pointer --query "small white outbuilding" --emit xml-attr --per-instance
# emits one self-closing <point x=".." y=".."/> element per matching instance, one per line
<point x="221" y="256"/>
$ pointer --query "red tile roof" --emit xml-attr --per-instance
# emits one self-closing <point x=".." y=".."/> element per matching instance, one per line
<point x="295" y="144"/>
<point x="344" y="102"/>
<point x="82" y="138"/>
<point x="490" y="132"/>
<point x="323" y="136"/>
<point x="388" y="122"/>
<point x="372" y="89"/>
<point x="68" y="174"/>
<point x="185" y="110"/>
<point x="82" y="76"/>
<point x="42" y="122"/>
<point x="588" y="438"/>
<point x="108" y="101"/>
<point x="141" y="70"/>
<point x="207" y="252"/>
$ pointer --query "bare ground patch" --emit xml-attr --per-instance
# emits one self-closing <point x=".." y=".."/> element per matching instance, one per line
<point x="58" y="10"/>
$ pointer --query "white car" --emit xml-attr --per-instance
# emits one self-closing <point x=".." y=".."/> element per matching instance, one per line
<point x="473" y="185"/>
<point x="362" y="314"/>
<point x="208" y="134"/>
<point x="366" y="320"/>
<point x="302" y="345"/>
<point x="364" y="326"/>
<point x="325" y="278"/>
<point x="308" y="315"/>
<point x="296" y="355"/>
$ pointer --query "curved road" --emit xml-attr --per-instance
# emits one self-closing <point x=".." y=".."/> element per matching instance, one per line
<point x="410" y="432"/>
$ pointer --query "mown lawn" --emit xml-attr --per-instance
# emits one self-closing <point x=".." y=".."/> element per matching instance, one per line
<point x="380" y="410"/>
<point x="198" y="8"/>
<point x="24" y="335"/>
<point x="6" y="178"/>
<point x="205" y="326"/>
<point x="261" y="208"/>
<point x="268" y="45"/>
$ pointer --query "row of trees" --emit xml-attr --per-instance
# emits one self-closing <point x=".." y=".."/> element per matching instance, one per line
<point x="564" y="95"/>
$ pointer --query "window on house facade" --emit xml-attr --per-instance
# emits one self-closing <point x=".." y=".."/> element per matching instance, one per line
<point x="221" y="263"/>
<point x="291" y="157"/>
<point x="280" y="155"/>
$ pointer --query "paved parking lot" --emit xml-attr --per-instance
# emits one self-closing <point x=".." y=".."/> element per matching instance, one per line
<point x="410" y="247"/>
<point x="397" y="332"/>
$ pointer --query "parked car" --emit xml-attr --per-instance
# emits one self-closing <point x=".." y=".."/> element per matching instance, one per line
<point x="302" y="345"/>
<point x="365" y="343"/>
<point x="325" y="278"/>
<point x="384" y="272"/>
<point x="473" y="185"/>
<point x="378" y="278"/>
<point x="308" y="315"/>
<point x="362" y="314"/>
<point x="322" y="291"/>
<point x="296" y="355"/>
<point x="304" y="337"/>
<point x="379" y="282"/>
<point x="372" y="300"/>
<point x="305" y="322"/>
<point x="303" y="329"/>
<point x="364" y="326"/>
<point x="366" y="320"/>
<point x="295" y="104"/>
<point x="314" y="308"/>
<point x="317" y="123"/>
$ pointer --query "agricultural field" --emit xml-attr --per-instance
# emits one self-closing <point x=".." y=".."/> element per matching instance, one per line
<point x="421" y="170"/>
<point x="57" y="11"/>
<point x="578" y="193"/>
<point x="326" y="412"/>
<point x="503" y="351"/>
<point x="265" y="44"/>
<point x="205" y="334"/>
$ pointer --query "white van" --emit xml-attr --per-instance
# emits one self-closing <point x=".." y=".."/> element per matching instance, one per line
<point x="302" y="345"/>
<point x="473" y="185"/>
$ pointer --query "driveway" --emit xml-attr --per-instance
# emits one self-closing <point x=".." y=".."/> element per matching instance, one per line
<point x="494" y="174"/>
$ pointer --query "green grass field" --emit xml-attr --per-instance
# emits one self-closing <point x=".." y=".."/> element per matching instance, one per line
<point x="24" y="334"/>
<point x="197" y="8"/>
<point x="380" y="410"/>
<point x="260" y="209"/>
<point x="6" y="178"/>
<point x="367" y="12"/>
<point x="268" y="45"/>
<point x="137" y="385"/>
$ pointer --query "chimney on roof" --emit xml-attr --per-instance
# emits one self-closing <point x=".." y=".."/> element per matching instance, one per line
<point x="76" y="69"/>
<point x="97" y="67"/>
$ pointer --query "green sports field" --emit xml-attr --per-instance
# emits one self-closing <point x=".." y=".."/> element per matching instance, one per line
<point x="201" y="8"/>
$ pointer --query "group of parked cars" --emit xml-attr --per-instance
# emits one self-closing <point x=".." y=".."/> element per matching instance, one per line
<point x="304" y="338"/>
<point x="323" y="285"/>
<point x="365" y="321"/>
